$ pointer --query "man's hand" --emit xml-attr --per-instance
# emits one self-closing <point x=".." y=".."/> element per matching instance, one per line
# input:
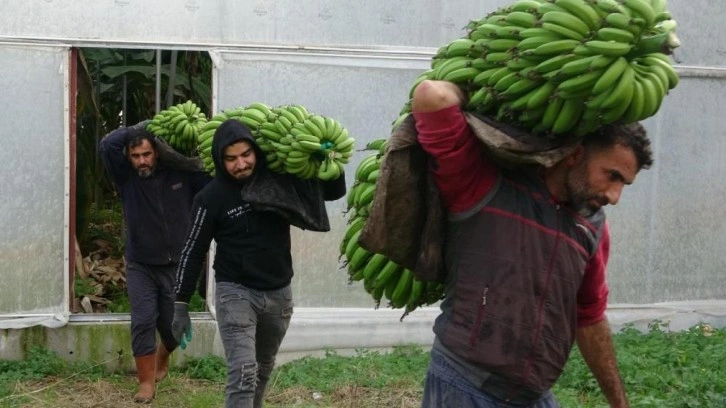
<point x="181" y="326"/>
<point x="431" y="96"/>
<point x="596" y="346"/>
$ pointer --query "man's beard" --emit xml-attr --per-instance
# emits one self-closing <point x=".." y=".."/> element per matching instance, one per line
<point x="579" y="194"/>
<point x="145" y="172"/>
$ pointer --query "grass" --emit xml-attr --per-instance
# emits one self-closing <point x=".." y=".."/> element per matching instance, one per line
<point x="660" y="369"/>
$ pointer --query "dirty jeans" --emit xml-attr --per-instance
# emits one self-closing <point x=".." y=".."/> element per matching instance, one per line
<point x="151" y="297"/>
<point x="252" y="324"/>
<point x="446" y="388"/>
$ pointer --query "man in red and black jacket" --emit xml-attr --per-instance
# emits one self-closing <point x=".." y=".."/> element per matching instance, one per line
<point x="526" y="253"/>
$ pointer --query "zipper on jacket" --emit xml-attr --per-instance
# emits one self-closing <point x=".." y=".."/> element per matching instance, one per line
<point x="479" y="318"/>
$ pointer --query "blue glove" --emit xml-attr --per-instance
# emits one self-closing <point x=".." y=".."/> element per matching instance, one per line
<point x="181" y="326"/>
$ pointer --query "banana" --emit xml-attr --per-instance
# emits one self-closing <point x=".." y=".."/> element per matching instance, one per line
<point x="501" y="44"/>
<point x="602" y="61"/>
<point x="651" y="93"/>
<point x="459" y="48"/>
<point x="402" y="289"/>
<point x="509" y="32"/>
<point x="360" y="256"/>
<point x="314" y="128"/>
<point x="556" y="47"/>
<point x="623" y="91"/>
<point x="611" y="74"/>
<point x="610" y="6"/>
<point x="342" y="136"/>
<point x="552" y="112"/>
<point x="634" y="111"/>
<point x="532" y="115"/>
<point x="388" y="273"/>
<point x="528" y="6"/>
<point x="518" y="63"/>
<point x="233" y="113"/>
<point x="461" y="75"/>
<point x="287" y="116"/>
<point x="311" y="147"/>
<point x="374" y="266"/>
<point x="255" y="114"/>
<point x="625" y="22"/>
<point x="498" y="57"/>
<point x="563" y="31"/>
<point x="554" y="63"/>
<point x="366" y="197"/>
<point x="655" y="61"/>
<point x="345" y="144"/>
<point x="521" y="19"/>
<point x="518" y="88"/>
<point x="539" y="32"/>
<point x="583" y="82"/>
<point x="610" y="48"/>
<point x="615" y="34"/>
<point x="506" y="81"/>
<point x="643" y="8"/>
<point x="366" y="165"/>
<point x="251" y="123"/>
<point x="659" y="6"/>
<point x="578" y="66"/>
<point x="449" y="65"/>
<point x="534" y="42"/>
<point x="414" y="298"/>
<point x="264" y="109"/>
<point x="540" y="95"/>
<point x="568" y="21"/>
<point x="568" y="116"/>
<point x="581" y="10"/>
<point x="548" y="6"/>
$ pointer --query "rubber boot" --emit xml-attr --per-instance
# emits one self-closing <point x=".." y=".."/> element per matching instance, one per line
<point x="162" y="362"/>
<point x="145" y="371"/>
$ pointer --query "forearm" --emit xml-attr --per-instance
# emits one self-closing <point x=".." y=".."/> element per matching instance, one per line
<point x="195" y="250"/>
<point x="596" y="346"/>
<point x="111" y="149"/>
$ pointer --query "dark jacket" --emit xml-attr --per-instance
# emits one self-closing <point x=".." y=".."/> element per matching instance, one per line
<point x="250" y="220"/>
<point x="516" y="265"/>
<point x="157" y="208"/>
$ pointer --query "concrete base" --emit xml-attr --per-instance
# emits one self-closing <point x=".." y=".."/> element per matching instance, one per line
<point x="105" y="339"/>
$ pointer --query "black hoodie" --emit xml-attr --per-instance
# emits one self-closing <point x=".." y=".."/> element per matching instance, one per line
<point x="250" y="220"/>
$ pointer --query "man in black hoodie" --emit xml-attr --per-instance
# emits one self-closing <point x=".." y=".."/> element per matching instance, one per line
<point x="248" y="210"/>
<point x="157" y="197"/>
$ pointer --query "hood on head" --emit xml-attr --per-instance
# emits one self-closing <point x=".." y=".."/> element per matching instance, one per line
<point x="232" y="131"/>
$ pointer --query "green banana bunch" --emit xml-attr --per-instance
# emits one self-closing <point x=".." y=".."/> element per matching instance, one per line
<point x="179" y="125"/>
<point x="381" y="277"/>
<point x="562" y="66"/>
<point x="293" y="140"/>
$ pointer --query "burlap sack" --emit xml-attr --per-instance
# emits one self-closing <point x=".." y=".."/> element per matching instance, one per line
<point x="406" y="222"/>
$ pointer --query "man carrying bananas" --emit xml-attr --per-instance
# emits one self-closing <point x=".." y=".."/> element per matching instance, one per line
<point x="526" y="255"/>
<point x="156" y="194"/>
<point x="248" y="209"/>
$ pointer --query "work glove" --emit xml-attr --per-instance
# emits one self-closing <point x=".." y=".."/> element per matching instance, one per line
<point x="181" y="326"/>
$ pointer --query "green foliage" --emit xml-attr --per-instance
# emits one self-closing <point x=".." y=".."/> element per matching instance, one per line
<point x="211" y="368"/>
<point x="660" y="369"/>
<point x="405" y="364"/>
